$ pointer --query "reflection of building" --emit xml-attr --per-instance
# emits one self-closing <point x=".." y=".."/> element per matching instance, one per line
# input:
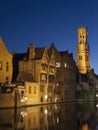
<point x="83" y="51"/>
<point x="46" y="117"/>
<point x="5" y="64"/>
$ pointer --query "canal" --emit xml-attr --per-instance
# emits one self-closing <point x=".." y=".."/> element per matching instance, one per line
<point x="64" y="116"/>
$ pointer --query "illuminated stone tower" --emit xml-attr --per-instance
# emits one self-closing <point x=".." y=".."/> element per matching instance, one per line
<point x="83" y="51"/>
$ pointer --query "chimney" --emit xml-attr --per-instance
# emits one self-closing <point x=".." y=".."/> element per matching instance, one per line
<point x="31" y="51"/>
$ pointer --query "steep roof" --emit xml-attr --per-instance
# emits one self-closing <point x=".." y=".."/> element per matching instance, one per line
<point x="39" y="52"/>
<point x="53" y="49"/>
<point x="3" y="49"/>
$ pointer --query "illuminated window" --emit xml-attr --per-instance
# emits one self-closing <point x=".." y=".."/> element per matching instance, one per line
<point x="65" y="65"/>
<point x="58" y="64"/>
<point x="43" y="77"/>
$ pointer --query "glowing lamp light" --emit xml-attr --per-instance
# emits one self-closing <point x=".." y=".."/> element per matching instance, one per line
<point x="46" y="96"/>
<point x="96" y="105"/>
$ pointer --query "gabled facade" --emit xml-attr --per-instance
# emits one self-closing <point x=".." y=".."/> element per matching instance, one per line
<point x="51" y="74"/>
<point x="57" y="89"/>
<point x="65" y="76"/>
<point x="5" y="64"/>
<point x="38" y="66"/>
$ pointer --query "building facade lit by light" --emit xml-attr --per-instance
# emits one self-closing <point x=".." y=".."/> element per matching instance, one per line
<point x="83" y="51"/>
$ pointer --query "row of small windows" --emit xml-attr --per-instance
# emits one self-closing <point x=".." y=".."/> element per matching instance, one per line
<point x="7" y="66"/>
<point x="58" y="65"/>
<point x="30" y="89"/>
<point x="44" y="77"/>
<point x="66" y="65"/>
<point x="81" y="36"/>
<point x="45" y="68"/>
<point x="81" y="58"/>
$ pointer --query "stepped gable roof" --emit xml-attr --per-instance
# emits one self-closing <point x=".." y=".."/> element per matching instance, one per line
<point x="24" y="76"/>
<point x="39" y="52"/>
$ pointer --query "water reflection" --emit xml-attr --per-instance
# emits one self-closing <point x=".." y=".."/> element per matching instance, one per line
<point x="69" y="116"/>
<point x="47" y="117"/>
<point x="85" y="112"/>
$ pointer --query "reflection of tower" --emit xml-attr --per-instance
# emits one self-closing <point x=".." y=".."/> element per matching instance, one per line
<point x="83" y="51"/>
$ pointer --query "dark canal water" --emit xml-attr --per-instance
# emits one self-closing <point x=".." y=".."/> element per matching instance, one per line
<point x="66" y="116"/>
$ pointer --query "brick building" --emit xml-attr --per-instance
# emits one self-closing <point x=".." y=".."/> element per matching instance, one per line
<point x="39" y="75"/>
<point x="37" y="66"/>
<point x="65" y="76"/>
<point x="5" y="64"/>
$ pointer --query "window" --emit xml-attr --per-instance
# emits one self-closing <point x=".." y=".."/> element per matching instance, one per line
<point x="41" y="99"/>
<point x="80" y="57"/>
<point x="41" y="109"/>
<point x="58" y="64"/>
<point x="34" y="89"/>
<point x="7" y="79"/>
<point x="30" y="89"/>
<point x="7" y="66"/>
<point x="52" y="69"/>
<point x="51" y="78"/>
<point x="22" y="94"/>
<point x="43" y="77"/>
<point x="0" y="65"/>
<point x="44" y="67"/>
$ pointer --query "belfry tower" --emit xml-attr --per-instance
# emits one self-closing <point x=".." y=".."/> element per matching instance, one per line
<point x="83" y="51"/>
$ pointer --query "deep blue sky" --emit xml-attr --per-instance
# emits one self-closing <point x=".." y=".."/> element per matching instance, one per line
<point x="45" y="21"/>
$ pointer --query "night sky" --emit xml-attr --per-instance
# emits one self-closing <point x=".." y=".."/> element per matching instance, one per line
<point x="45" y="21"/>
